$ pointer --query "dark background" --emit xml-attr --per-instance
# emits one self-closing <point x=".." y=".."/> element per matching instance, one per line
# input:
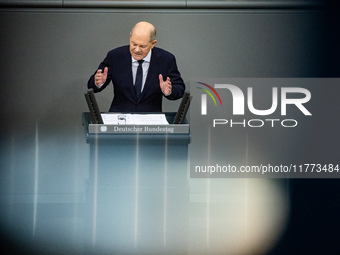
<point x="48" y="53"/>
<point x="314" y="224"/>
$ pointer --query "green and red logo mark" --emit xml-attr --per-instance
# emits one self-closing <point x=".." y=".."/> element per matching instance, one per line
<point x="204" y="96"/>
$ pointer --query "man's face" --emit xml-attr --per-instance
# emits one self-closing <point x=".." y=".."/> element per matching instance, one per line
<point x="140" y="44"/>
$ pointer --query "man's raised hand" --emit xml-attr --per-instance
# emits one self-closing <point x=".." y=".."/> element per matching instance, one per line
<point x="100" y="77"/>
<point x="166" y="86"/>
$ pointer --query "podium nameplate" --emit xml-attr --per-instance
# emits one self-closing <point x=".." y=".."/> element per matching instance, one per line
<point x="138" y="129"/>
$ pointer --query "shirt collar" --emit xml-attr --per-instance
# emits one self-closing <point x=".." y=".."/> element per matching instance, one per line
<point x="146" y="59"/>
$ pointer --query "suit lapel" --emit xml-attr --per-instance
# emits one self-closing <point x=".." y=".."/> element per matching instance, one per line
<point x="129" y="77"/>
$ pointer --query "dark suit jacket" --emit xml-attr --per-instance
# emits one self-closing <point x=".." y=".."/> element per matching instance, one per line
<point x="119" y="65"/>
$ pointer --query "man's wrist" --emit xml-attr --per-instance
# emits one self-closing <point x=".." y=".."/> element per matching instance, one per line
<point x="99" y="86"/>
<point x="166" y="94"/>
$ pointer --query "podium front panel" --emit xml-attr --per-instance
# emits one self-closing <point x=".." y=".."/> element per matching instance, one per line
<point x="138" y="193"/>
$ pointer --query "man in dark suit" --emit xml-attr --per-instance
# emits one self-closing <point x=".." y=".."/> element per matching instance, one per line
<point x="137" y="72"/>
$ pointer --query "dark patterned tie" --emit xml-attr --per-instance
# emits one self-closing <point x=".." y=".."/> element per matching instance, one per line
<point x="139" y="78"/>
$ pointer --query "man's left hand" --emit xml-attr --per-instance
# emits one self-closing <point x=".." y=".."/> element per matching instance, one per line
<point x="165" y="85"/>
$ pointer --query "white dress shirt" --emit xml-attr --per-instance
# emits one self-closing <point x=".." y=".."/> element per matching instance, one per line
<point x="145" y="65"/>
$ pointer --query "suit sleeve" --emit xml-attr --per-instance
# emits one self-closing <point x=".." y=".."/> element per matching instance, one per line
<point x="177" y="82"/>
